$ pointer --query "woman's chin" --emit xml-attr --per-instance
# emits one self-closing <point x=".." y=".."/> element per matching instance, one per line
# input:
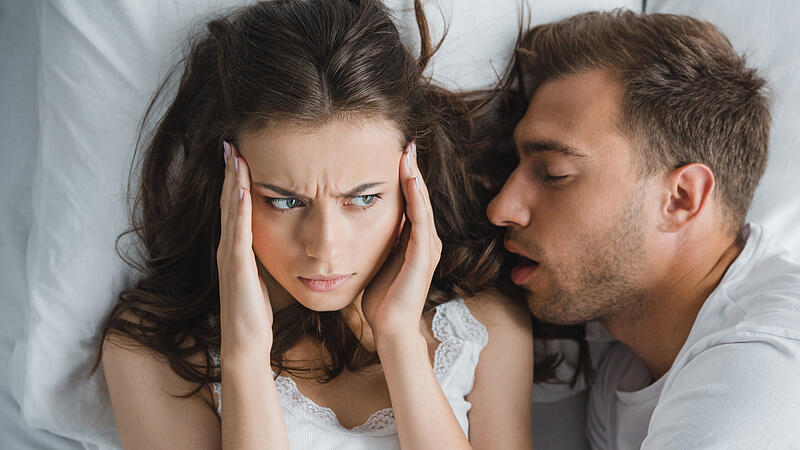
<point x="320" y="302"/>
<point x="325" y="301"/>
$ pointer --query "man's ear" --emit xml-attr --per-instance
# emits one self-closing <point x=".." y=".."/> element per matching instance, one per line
<point x="688" y="190"/>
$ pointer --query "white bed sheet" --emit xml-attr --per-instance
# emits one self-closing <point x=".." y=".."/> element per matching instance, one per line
<point x="19" y="52"/>
<point x="100" y="62"/>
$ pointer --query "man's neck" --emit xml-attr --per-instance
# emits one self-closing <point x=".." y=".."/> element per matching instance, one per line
<point x="658" y="335"/>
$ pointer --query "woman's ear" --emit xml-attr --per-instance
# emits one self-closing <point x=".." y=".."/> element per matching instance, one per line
<point x="688" y="190"/>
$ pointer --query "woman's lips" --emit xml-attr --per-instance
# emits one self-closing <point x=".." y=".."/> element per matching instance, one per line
<point x="325" y="283"/>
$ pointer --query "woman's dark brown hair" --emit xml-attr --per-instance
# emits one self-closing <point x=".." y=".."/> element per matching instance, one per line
<point x="302" y="62"/>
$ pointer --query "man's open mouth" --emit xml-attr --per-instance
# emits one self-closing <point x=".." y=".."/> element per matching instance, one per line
<point x="523" y="269"/>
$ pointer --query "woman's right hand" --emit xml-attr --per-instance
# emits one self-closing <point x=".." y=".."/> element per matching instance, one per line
<point x="245" y="311"/>
<point x="251" y="413"/>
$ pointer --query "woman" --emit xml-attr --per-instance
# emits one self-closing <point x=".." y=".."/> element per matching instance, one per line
<point x="287" y="222"/>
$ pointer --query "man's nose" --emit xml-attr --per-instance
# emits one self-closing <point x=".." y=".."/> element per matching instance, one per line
<point x="508" y="208"/>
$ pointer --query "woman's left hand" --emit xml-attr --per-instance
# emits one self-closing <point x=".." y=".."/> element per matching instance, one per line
<point x="394" y="299"/>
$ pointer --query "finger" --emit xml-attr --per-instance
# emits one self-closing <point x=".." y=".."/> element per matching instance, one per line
<point x="420" y="223"/>
<point x="241" y="168"/>
<point x="389" y="269"/>
<point x="227" y="184"/>
<point x="409" y="170"/>
<point x="238" y="257"/>
<point x="423" y="185"/>
<point x="242" y="227"/>
<point x="241" y="185"/>
<point x="231" y="194"/>
<point x="406" y="171"/>
<point x="241" y="205"/>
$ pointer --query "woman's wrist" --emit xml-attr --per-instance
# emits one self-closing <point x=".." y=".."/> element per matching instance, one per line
<point x="387" y="344"/>
<point x="245" y="346"/>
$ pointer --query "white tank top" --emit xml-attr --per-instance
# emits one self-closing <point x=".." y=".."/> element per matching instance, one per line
<point x="311" y="426"/>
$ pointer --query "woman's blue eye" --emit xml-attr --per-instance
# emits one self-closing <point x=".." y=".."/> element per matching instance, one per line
<point x="363" y="200"/>
<point x="284" y="203"/>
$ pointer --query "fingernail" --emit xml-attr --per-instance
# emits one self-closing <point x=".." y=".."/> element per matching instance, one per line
<point x="227" y="148"/>
<point x="236" y="163"/>
<point x="413" y="148"/>
<point x="416" y="182"/>
<point x="241" y="193"/>
<point x="408" y="160"/>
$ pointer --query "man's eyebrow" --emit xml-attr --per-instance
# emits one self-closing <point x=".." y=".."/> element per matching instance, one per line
<point x="530" y="147"/>
<point x="351" y="193"/>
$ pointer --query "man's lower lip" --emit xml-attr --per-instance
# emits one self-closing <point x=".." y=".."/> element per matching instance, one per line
<point x="521" y="273"/>
<point x="325" y="285"/>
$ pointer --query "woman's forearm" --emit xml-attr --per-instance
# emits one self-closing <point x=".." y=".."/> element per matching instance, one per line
<point x="422" y="413"/>
<point x="252" y="417"/>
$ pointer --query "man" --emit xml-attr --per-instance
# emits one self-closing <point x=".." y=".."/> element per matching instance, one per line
<point x="642" y="144"/>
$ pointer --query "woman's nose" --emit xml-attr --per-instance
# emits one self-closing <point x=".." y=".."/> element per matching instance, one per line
<point x="321" y="231"/>
<point x="508" y="208"/>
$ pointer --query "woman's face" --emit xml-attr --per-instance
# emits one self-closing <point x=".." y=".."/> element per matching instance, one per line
<point x="327" y="206"/>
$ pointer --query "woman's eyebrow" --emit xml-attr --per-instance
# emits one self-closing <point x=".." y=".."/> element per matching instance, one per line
<point x="351" y="193"/>
<point x="279" y="190"/>
<point x="361" y="188"/>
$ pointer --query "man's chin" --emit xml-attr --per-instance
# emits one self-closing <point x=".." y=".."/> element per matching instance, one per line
<point x="553" y="312"/>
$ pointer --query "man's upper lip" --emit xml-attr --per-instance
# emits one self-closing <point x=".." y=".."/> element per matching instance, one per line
<point x="319" y="277"/>
<point x="511" y="247"/>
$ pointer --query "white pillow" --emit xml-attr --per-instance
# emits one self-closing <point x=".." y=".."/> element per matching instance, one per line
<point x="766" y="33"/>
<point x="482" y="33"/>
<point x="100" y="63"/>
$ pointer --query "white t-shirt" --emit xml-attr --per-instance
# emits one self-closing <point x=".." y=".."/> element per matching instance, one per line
<point x="735" y="384"/>
<point x="314" y="427"/>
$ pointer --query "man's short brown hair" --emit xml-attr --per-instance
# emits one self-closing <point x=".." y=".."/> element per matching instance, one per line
<point x="689" y="97"/>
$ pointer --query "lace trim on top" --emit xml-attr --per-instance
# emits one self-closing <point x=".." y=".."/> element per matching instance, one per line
<point x="451" y="346"/>
<point x="382" y="421"/>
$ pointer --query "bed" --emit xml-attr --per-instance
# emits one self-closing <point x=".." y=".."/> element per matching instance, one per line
<point x="75" y="79"/>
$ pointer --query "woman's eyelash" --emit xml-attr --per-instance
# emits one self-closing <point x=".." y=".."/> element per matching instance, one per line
<point x="287" y="204"/>
<point x="369" y="200"/>
<point x="283" y="204"/>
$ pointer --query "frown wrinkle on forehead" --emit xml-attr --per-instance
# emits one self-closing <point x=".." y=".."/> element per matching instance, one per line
<point x="361" y="188"/>
<point x="338" y="158"/>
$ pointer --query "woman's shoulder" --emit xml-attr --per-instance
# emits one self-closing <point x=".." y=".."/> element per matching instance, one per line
<point x="494" y="309"/>
<point x="507" y="322"/>
<point x="478" y="317"/>
<point x="476" y="334"/>
<point x="123" y="354"/>
<point x="145" y="397"/>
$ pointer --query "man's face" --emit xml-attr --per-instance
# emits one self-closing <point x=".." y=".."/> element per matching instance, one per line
<point x="574" y="206"/>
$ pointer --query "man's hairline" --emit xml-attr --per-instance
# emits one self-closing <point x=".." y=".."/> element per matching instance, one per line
<point x="640" y="145"/>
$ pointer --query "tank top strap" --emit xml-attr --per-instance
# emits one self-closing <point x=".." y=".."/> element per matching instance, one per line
<point x="461" y="337"/>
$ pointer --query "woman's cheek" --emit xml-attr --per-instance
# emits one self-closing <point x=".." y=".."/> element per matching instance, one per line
<point x="269" y="236"/>
<point x="383" y="232"/>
